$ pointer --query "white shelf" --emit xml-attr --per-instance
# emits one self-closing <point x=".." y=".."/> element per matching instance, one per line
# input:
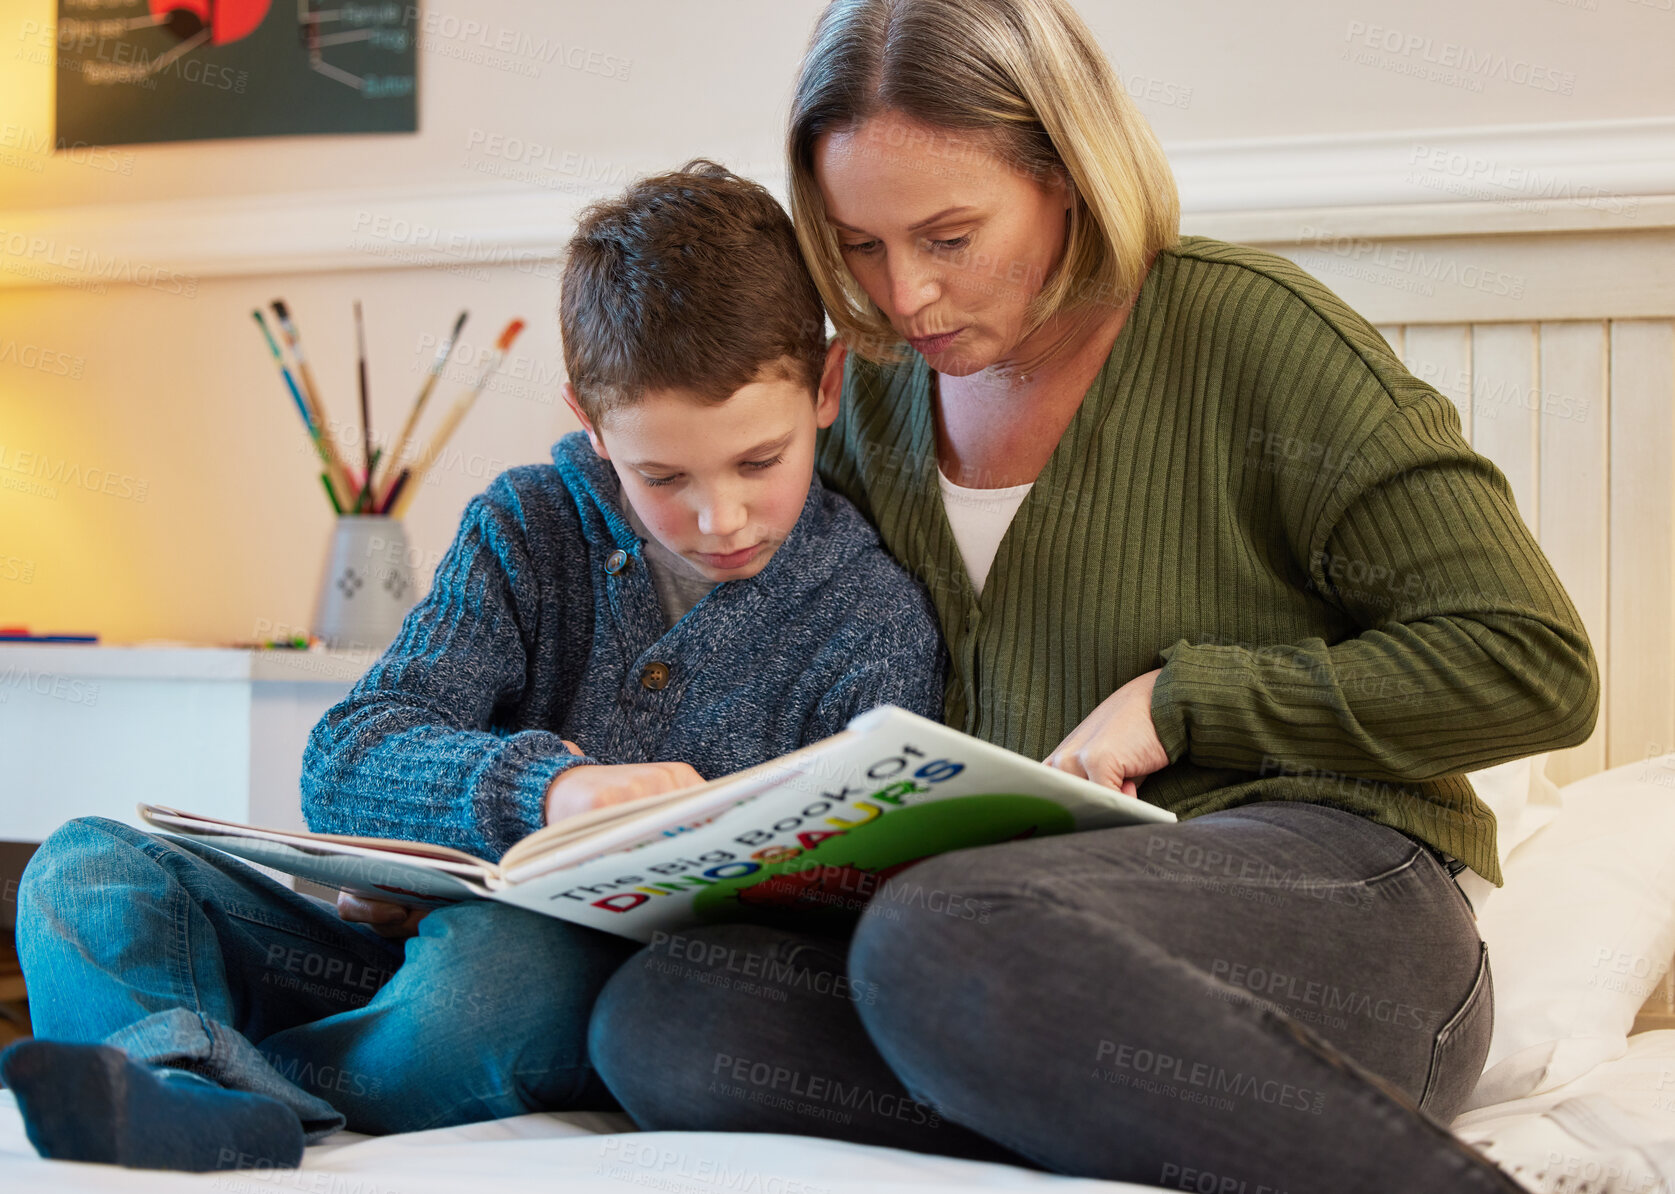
<point x="91" y="730"/>
<point x="143" y="662"/>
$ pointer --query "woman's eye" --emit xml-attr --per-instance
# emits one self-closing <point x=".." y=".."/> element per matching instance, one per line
<point x="760" y="464"/>
<point x="863" y="247"/>
<point x="654" y="481"/>
<point x="959" y="242"/>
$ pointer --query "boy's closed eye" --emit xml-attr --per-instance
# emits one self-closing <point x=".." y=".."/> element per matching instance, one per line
<point x="748" y="465"/>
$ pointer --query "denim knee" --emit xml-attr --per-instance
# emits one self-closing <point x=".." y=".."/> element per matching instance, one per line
<point x="488" y="959"/>
<point x="912" y="917"/>
<point x="926" y="934"/>
<point x="96" y="842"/>
<point x="672" y="1014"/>
<point x="78" y="858"/>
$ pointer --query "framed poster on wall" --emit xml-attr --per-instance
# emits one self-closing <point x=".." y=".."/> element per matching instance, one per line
<point x="180" y="70"/>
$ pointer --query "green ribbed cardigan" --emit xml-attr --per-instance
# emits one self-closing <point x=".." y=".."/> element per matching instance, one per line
<point x="1256" y="496"/>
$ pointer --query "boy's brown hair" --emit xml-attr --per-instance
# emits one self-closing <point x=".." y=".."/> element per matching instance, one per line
<point x="690" y="280"/>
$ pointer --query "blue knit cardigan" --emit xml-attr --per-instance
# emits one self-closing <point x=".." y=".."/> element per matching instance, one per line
<point x="536" y="629"/>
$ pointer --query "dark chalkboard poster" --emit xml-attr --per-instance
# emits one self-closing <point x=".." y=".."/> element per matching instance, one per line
<point x="181" y="70"/>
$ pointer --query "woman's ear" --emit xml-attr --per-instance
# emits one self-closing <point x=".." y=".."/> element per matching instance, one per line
<point x="1058" y="182"/>
<point x="569" y="393"/>
<point x="831" y="384"/>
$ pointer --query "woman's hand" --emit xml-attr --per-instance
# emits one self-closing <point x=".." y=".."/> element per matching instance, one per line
<point x="381" y="916"/>
<point x="1116" y="745"/>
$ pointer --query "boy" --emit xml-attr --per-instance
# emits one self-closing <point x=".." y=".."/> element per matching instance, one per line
<point x="678" y="597"/>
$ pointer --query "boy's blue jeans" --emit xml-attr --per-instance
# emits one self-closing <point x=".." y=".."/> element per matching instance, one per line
<point x="185" y="957"/>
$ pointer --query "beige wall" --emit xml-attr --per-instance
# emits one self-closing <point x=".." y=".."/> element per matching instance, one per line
<point x="214" y="526"/>
<point x="190" y="506"/>
<point x="713" y="76"/>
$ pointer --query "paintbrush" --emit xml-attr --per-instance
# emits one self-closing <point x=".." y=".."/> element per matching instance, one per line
<point x="302" y="407"/>
<point x="366" y="411"/>
<point x="311" y="393"/>
<point x="395" y="491"/>
<point x="393" y="462"/>
<point x="453" y="417"/>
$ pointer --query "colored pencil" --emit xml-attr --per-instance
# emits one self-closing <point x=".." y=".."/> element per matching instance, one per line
<point x="311" y="394"/>
<point x="394" y="462"/>
<point x="452" y="420"/>
<point x="366" y="406"/>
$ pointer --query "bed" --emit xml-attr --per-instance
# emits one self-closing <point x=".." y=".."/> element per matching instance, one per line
<point x="1567" y="387"/>
<point x="1579" y="936"/>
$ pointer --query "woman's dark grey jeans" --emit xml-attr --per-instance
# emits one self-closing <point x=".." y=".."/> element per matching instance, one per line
<point x="1279" y="996"/>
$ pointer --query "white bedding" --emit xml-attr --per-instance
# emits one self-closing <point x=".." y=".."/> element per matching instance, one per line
<point x="544" y="1154"/>
<point x="1616" y="1123"/>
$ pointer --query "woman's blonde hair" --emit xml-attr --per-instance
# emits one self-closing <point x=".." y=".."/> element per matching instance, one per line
<point x="1029" y="77"/>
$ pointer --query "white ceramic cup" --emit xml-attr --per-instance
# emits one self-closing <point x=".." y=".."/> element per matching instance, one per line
<point x="366" y="587"/>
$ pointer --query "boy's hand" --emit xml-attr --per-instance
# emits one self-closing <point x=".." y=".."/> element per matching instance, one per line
<point x="381" y="916"/>
<point x="598" y="785"/>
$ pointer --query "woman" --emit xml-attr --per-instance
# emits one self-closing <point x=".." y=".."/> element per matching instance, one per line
<point x="1194" y="532"/>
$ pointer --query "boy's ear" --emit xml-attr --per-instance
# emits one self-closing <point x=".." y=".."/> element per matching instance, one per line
<point x="831" y="384"/>
<point x="569" y="393"/>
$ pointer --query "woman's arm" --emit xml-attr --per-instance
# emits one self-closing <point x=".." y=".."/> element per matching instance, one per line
<point x="410" y="752"/>
<point x="1471" y="653"/>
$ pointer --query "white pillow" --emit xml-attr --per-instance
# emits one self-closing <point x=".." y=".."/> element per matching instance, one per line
<point x="1582" y="931"/>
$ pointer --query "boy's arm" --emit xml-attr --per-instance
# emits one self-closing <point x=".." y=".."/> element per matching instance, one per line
<point x="409" y="753"/>
<point x="902" y="663"/>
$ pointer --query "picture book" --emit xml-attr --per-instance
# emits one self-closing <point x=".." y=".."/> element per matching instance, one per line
<point x="807" y="839"/>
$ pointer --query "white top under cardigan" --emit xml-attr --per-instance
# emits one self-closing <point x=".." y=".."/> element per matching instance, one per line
<point x="979" y="518"/>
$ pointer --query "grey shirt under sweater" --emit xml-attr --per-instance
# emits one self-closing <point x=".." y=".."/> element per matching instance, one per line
<point x="543" y="623"/>
<point x="679" y="585"/>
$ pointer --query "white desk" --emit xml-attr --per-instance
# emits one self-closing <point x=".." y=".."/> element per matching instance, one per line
<point x="92" y="730"/>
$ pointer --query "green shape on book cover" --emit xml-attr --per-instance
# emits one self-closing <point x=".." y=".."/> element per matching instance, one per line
<point x="829" y="883"/>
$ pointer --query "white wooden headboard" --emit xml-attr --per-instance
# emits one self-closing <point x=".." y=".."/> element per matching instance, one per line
<point x="1580" y="415"/>
<point x="1558" y="347"/>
